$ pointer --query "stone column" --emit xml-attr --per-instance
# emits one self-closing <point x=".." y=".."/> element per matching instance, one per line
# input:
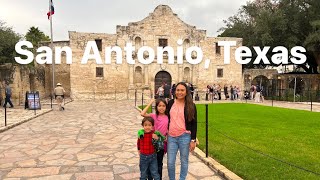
<point x="131" y="75"/>
<point x="146" y="77"/>
<point x="191" y="74"/>
<point x="131" y="90"/>
<point x="180" y="73"/>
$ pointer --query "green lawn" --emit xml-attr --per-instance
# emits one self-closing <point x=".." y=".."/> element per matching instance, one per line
<point x="290" y="135"/>
<point x="149" y="110"/>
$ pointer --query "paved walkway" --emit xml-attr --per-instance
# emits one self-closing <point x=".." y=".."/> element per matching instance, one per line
<point x="291" y="105"/>
<point x="95" y="140"/>
<point x="18" y="114"/>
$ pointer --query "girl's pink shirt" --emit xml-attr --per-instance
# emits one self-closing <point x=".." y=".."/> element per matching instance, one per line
<point x="177" y="122"/>
<point x="160" y="123"/>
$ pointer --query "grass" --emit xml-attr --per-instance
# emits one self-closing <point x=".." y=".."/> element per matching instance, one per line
<point x="149" y="110"/>
<point x="290" y="135"/>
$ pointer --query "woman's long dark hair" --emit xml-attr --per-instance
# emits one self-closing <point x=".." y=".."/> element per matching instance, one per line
<point x="188" y="102"/>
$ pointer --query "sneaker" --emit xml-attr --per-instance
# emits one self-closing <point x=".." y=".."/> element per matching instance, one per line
<point x="62" y="108"/>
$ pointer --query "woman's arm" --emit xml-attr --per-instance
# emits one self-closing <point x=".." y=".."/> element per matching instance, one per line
<point x="144" y="111"/>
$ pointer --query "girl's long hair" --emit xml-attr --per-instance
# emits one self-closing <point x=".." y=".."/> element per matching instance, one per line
<point x="157" y="103"/>
<point x="188" y="102"/>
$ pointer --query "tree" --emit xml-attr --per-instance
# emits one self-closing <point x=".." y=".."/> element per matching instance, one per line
<point x="312" y="43"/>
<point x="274" y="23"/>
<point x="35" y="36"/>
<point x="8" y="40"/>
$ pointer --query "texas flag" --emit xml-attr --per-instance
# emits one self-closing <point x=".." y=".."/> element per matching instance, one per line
<point x="51" y="11"/>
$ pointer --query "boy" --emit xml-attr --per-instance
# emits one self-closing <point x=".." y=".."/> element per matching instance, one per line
<point x="146" y="149"/>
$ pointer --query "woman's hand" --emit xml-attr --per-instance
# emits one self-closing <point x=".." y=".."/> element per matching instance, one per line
<point x="192" y="146"/>
<point x="154" y="136"/>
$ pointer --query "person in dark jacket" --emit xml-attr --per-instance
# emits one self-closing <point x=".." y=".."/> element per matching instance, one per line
<point x="225" y="90"/>
<point x="182" y="115"/>
<point x="173" y="91"/>
<point x="8" y="93"/>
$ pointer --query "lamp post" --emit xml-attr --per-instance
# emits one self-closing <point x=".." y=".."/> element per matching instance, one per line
<point x="248" y="89"/>
<point x="272" y="92"/>
<point x="294" y="89"/>
<point x="279" y="83"/>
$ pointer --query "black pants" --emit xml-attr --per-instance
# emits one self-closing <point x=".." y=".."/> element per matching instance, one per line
<point x="8" y="100"/>
<point x="160" y="155"/>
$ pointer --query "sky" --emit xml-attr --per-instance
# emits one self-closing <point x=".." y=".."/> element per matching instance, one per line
<point x="102" y="16"/>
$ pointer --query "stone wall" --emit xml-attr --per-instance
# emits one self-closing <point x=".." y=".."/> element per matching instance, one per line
<point x="24" y="78"/>
<point x="61" y="71"/>
<point x="19" y="81"/>
<point x="309" y="81"/>
<point x="250" y="75"/>
<point x="120" y="81"/>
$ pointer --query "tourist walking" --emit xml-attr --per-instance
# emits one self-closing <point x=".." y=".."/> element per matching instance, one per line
<point x="8" y="93"/>
<point x="59" y="93"/>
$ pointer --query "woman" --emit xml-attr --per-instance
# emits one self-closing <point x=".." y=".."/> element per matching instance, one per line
<point x="182" y="130"/>
<point x="160" y="91"/>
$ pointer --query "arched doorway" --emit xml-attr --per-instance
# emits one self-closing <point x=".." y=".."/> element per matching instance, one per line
<point x="298" y="84"/>
<point x="261" y="81"/>
<point x="162" y="77"/>
<point x="264" y="82"/>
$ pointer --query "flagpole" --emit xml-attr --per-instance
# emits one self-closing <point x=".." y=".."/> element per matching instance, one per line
<point x="53" y="61"/>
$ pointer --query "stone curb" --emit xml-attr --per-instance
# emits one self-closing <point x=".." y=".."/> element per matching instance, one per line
<point x="2" y="129"/>
<point x="215" y="166"/>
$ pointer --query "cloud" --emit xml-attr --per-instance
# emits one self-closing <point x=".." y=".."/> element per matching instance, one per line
<point x="103" y="16"/>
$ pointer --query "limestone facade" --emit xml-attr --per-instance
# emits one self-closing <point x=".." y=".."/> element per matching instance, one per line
<point x="21" y="79"/>
<point x="120" y="81"/>
<point x="61" y="71"/>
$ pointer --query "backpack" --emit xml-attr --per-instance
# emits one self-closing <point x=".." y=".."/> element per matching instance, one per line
<point x="158" y="144"/>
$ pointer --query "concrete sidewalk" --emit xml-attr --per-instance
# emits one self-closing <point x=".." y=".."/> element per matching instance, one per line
<point x="284" y="104"/>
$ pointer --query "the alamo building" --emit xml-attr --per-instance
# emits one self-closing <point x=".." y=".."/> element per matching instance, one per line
<point x="120" y="81"/>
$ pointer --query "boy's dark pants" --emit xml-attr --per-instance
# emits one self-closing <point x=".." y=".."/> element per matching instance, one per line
<point x="160" y="155"/>
<point x="148" y="163"/>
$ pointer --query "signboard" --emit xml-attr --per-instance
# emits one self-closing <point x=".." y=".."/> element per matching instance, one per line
<point x="33" y="100"/>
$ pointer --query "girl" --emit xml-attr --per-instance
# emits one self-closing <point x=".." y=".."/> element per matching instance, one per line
<point x="160" y="124"/>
